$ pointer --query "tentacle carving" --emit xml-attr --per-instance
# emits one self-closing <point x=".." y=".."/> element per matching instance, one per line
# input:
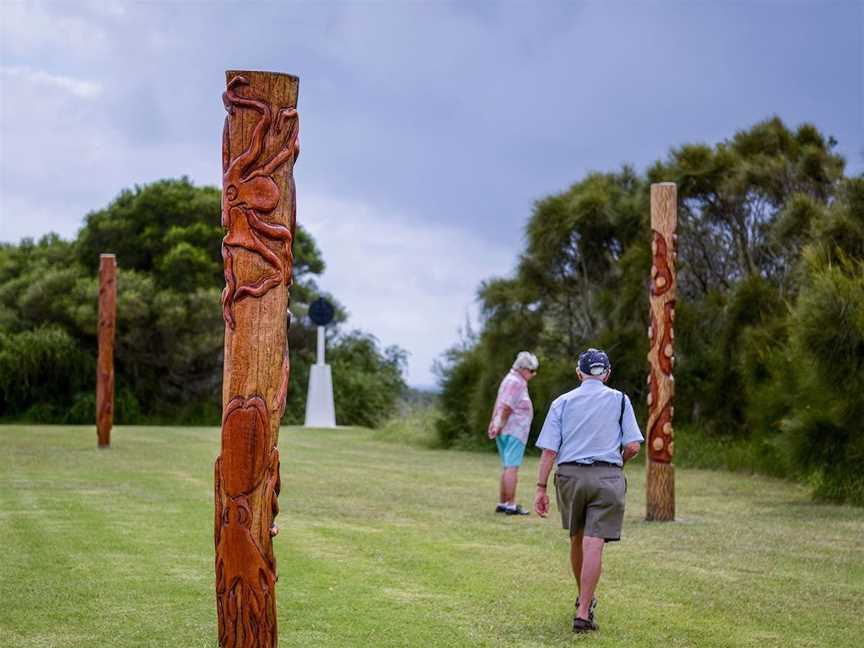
<point x="250" y="194"/>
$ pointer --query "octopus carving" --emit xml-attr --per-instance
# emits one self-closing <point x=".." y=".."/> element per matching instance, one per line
<point x="245" y="571"/>
<point x="250" y="194"/>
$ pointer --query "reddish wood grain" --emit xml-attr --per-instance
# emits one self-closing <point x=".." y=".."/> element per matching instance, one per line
<point x="105" y="360"/>
<point x="260" y="144"/>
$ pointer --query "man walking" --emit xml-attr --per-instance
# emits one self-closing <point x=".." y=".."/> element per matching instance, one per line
<point x="592" y="432"/>
<point x="510" y="425"/>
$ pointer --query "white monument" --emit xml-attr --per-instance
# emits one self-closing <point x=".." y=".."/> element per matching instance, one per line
<point x="320" y="411"/>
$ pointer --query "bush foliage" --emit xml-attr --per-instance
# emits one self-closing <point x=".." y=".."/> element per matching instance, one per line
<point x="168" y="350"/>
<point x="770" y="315"/>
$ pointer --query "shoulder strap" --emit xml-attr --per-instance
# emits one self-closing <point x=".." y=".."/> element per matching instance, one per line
<point x="621" y="415"/>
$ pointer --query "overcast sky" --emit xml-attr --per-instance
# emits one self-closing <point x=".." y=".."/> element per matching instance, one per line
<point x="428" y="129"/>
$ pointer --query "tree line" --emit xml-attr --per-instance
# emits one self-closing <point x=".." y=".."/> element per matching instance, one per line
<point x="769" y="330"/>
<point x="168" y="352"/>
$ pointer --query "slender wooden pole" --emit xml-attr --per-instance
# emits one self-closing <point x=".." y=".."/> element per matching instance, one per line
<point x="105" y="361"/>
<point x="259" y="148"/>
<point x="660" y="486"/>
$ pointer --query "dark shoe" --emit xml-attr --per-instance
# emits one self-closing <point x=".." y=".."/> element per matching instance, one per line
<point x="590" y="609"/>
<point x="516" y="510"/>
<point x="584" y="625"/>
<point x="500" y="509"/>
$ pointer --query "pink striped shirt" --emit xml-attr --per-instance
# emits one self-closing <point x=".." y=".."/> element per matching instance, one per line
<point x="513" y="392"/>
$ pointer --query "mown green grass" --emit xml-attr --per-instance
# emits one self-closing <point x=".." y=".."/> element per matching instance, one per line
<point x="390" y="545"/>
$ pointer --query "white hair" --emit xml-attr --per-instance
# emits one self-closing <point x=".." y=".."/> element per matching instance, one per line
<point x="526" y="360"/>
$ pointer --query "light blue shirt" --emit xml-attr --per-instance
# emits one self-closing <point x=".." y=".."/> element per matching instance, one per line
<point x="582" y="425"/>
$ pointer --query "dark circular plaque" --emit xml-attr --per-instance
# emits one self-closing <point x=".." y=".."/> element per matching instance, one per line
<point x="321" y="312"/>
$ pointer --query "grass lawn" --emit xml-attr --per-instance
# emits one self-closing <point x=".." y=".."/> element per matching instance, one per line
<point x="390" y="545"/>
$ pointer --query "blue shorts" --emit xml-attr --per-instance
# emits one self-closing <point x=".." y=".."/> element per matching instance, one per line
<point x="511" y="450"/>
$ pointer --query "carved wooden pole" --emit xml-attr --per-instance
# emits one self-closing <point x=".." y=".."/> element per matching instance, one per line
<point x="660" y="486"/>
<point x="259" y="148"/>
<point x="105" y="361"/>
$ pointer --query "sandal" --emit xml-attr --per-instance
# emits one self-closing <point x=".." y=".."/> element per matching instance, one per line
<point x="584" y="625"/>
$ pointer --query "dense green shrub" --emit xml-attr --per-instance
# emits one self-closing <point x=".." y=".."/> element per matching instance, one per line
<point x="825" y="428"/>
<point x="41" y="369"/>
<point x="367" y="381"/>
<point x="459" y="380"/>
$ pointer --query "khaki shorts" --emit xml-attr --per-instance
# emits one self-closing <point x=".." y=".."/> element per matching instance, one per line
<point x="591" y="499"/>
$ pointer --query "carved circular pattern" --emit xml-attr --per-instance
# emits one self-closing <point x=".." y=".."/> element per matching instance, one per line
<point x="661" y="355"/>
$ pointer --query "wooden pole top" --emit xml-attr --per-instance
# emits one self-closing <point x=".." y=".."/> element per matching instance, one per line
<point x="230" y="74"/>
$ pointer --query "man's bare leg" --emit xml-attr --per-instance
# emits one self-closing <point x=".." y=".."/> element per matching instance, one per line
<point x="576" y="558"/>
<point x="509" y="479"/>
<point x="592" y="556"/>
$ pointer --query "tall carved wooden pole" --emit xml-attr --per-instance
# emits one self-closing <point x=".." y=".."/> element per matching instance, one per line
<point x="105" y="361"/>
<point x="660" y="486"/>
<point x="259" y="148"/>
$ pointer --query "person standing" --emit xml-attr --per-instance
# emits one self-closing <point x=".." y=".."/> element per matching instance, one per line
<point x="591" y="432"/>
<point x="510" y="425"/>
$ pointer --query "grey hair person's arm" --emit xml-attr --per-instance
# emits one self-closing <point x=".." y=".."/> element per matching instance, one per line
<point x="499" y="420"/>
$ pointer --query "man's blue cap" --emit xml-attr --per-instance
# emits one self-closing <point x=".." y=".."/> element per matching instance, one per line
<point x="594" y="362"/>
